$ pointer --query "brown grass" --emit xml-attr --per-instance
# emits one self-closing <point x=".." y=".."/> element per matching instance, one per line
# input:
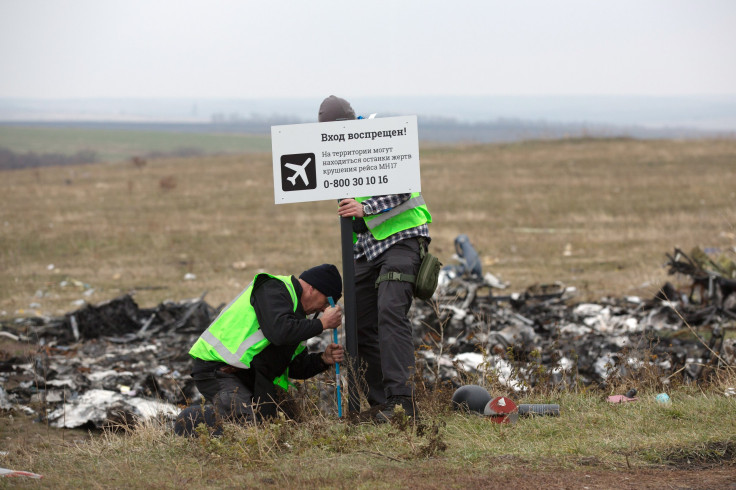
<point x="616" y="206"/>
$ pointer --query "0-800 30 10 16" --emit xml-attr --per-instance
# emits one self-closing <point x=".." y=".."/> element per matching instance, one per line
<point x="370" y="180"/>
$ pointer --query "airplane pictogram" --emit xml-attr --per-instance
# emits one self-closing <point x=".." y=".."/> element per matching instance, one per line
<point x="298" y="176"/>
<point x="299" y="171"/>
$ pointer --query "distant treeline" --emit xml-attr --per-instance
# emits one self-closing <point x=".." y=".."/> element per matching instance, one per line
<point x="431" y="129"/>
<point x="505" y="130"/>
<point x="12" y="160"/>
<point x="436" y="129"/>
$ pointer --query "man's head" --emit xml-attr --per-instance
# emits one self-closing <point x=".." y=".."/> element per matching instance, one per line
<point x="322" y="281"/>
<point x="335" y="109"/>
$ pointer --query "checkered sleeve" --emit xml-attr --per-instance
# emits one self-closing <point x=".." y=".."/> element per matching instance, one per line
<point x="381" y="204"/>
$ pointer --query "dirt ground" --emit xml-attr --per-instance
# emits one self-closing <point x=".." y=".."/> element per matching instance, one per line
<point x="21" y="433"/>
<point x="425" y="476"/>
<point x="650" y="478"/>
<point x="580" y="478"/>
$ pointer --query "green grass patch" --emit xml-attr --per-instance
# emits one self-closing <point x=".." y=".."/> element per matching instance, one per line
<point x="694" y="431"/>
<point x="117" y="145"/>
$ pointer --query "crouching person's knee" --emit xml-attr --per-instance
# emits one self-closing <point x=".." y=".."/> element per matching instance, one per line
<point x="235" y="406"/>
<point x="189" y="419"/>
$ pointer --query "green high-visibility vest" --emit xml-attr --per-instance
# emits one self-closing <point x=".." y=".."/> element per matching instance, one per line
<point x="409" y="214"/>
<point x="235" y="337"/>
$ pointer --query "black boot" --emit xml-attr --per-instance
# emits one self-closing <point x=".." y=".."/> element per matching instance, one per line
<point x="394" y="405"/>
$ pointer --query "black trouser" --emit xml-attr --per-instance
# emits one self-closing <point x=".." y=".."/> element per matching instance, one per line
<point x="385" y="343"/>
<point x="232" y="399"/>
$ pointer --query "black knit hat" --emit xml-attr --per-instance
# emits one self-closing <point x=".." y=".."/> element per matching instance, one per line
<point x="324" y="278"/>
<point x="335" y="109"/>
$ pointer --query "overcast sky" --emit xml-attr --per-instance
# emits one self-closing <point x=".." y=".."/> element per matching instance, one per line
<point x="254" y="49"/>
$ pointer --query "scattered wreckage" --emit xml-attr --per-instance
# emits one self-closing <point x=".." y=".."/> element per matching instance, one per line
<point x="114" y="363"/>
<point x="105" y="364"/>
<point x="509" y="337"/>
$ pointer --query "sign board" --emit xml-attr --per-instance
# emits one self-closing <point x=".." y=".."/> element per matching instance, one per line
<point x="355" y="158"/>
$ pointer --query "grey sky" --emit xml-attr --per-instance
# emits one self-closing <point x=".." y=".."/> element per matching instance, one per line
<point x="244" y="49"/>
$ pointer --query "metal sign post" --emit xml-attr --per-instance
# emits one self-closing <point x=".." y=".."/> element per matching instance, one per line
<point x="331" y="160"/>
<point x="351" y="328"/>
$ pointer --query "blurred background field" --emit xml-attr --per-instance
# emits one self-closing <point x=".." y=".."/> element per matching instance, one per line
<point x="596" y="214"/>
<point x="109" y="143"/>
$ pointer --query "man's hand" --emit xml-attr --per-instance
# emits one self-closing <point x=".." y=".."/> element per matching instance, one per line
<point x="331" y="317"/>
<point x="334" y="353"/>
<point x="349" y="208"/>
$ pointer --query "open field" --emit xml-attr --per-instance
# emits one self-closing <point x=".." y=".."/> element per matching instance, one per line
<point x="114" y="145"/>
<point x="595" y="214"/>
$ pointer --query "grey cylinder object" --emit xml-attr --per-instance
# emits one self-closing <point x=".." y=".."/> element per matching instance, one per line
<point x="539" y="409"/>
<point x="471" y="397"/>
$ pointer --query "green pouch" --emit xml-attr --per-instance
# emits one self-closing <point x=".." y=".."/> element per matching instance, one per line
<point x="427" y="277"/>
<point x="425" y="282"/>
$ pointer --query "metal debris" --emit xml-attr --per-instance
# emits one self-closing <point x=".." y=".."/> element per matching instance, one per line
<point x="112" y="363"/>
<point x="115" y="363"/>
<point x="468" y="328"/>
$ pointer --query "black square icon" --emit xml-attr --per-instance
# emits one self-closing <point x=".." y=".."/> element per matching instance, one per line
<point x="298" y="172"/>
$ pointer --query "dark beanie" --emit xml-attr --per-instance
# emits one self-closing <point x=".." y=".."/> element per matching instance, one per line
<point x="324" y="278"/>
<point x="335" y="109"/>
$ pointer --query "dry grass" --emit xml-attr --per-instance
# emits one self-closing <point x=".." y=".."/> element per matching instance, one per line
<point x="595" y="214"/>
<point x="617" y="206"/>
<point x="695" y="431"/>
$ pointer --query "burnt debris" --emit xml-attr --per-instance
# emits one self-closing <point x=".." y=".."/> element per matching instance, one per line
<point x="115" y="363"/>
<point x="107" y="363"/>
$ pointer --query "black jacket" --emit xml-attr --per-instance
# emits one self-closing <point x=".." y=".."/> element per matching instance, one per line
<point x="285" y="329"/>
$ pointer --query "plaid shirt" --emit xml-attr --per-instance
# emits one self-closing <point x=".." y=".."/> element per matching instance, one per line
<point x="371" y="248"/>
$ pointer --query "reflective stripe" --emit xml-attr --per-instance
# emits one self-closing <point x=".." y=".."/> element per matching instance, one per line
<point x="379" y="219"/>
<point x="227" y="356"/>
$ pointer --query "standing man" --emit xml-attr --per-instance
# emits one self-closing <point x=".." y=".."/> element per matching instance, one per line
<point x="388" y="233"/>
<point x="243" y="360"/>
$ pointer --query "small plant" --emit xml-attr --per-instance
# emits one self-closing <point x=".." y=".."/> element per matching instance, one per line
<point x="167" y="183"/>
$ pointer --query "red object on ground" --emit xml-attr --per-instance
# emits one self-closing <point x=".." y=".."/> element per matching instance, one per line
<point x="502" y="410"/>
<point x="12" y="473"/>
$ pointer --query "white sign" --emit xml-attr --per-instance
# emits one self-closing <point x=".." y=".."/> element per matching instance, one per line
<point x="355" y="158"/>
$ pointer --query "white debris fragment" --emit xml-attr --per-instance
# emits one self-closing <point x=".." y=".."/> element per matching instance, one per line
<point x="587" y="309"/>
<point x="470" y="360"/>
<point x="101" y="375"/>
<point x="4" y="400"/>
<point x="475" y="362"/>
<point x="575" y="329"/>
<point x="4" y="472"/>
<point x="494" y="282"/>
<point x="604" y="365"/>
<point x="94" y="405"/>
<point x="161" y="370"/>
